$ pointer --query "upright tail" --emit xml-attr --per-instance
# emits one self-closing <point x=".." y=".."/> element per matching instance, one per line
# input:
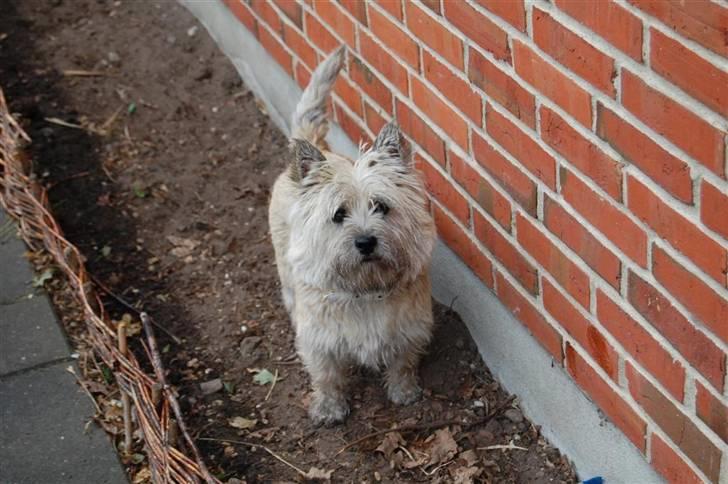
<point x="309" y="121"/>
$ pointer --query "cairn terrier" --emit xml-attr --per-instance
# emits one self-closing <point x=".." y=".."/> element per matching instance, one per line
<point x="353" y="241"/>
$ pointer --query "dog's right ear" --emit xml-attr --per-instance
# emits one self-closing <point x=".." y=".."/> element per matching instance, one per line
<point x="305" y="158"/>
<point x="391" y="143"/>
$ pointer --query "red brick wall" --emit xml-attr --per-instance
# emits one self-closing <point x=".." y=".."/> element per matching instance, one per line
<point x="575" y="152"/>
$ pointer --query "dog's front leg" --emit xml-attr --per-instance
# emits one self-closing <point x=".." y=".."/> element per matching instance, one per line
<point x="401" y="378"/>
<point x="328" y="376"/>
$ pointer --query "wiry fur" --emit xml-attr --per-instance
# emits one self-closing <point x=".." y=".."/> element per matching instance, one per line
<point x="376" y="310"/>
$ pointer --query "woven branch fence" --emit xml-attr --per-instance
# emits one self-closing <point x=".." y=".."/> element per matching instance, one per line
<point x="172" y="457"/>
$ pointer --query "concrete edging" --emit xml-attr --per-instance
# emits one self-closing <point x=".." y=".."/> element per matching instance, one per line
<point x="549" y="397"/>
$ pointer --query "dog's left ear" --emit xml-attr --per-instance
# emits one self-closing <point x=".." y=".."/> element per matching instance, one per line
<point x="306" y="157"/>
<point x="390" y="142"/>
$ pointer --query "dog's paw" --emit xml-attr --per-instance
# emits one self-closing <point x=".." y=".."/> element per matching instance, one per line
<point x="404" y="393"/>
<point x="328" y="410"/>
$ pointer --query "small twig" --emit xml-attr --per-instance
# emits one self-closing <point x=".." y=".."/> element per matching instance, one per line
<point x="510" y="446"/>
<point x="171" y="399"/>
<point x="85" y="388"/>
<point x="81" y="73"/>
<point x="72" y="177"/>
<point x="432" y="425"/>
<point x="253" y="444"/>
<point x="125" y="401"/>
<point x="129" y="306"/>
<point x="272" y="385"/>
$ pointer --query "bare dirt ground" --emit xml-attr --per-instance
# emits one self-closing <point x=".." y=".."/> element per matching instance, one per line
<point x="167" y="201"/>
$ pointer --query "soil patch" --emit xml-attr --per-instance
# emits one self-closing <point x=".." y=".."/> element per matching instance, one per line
<point x="161" y="177"/>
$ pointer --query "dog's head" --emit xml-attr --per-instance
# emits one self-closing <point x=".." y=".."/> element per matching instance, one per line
<point x="359" y="226"/>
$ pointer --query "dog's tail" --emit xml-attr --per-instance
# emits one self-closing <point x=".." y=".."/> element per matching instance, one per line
<point x="309" y="120"/>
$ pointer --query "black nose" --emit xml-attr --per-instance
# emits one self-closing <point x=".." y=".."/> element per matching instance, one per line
<point x="365" y="244"/>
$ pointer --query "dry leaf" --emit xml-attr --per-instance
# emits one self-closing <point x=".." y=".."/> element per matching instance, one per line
<point x="465" y="475"/>
<point x="390" y="443"/>
<point x="316" y="473"/>
<point x="469" y="456"/>
<point x="242" y="423"/>
<point x="144" y="475"/>
<point x="442" y="447"/>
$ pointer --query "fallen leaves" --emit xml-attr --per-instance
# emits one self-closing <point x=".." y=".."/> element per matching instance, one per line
<point x="242" y="423"/>
<point x="263" y="376"/>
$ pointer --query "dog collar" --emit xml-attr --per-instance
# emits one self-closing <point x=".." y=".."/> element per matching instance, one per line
<point x="349" y="297"/>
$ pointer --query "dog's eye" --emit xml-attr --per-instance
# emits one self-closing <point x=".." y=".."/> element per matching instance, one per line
<point x="339" y="215"/>
<point x="381" y="207"/>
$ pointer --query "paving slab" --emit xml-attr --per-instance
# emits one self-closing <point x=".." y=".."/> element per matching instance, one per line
<point x="16" y="275"/>
<point x="31" y="335"/>
<point x="43" y="433"/>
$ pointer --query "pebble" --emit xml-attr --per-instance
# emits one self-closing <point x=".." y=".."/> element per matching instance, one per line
<point x="514" y="415"/>
<point x="113" y="57"/>
<point x="192" y="31"/>
<point x="210" y="387"/>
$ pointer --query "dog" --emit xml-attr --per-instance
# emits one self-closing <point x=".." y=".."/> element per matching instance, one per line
<point x="353" y="241"/>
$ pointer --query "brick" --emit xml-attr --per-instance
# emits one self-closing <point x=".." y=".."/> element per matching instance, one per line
<point x="319" y="34"/>
<point x="303" y="75"/>
<point x="479" y="29"/>
<point x="512" y="11"/>
<point x="531" y="318"/>
<point x="641" y="346"/>
<point x="696" y="347"/>
<point x="678" y="426"/>
<point x="604" y="215"/>
<point x="672" y="173"/>
<point x="511" y="178"/>
<point x="579" y="327"/>
<point x="334" y="17"/>
<point x="558" y="264"/>
<point x="394" y="7"/>
<point x="678" y="230"/>
<point x="452" y="87"/>
<point x="292" y="10"/>
<point x="505" y="251"/>
<point x="611" y="403"/>
<point x="673" y="121"/>
<point x="714" y="207"/>
<point x="704" y="23"/>
<point x="395" y="38"/>
<point x="582" y="153"/>
<point x="357" y="8"/>
<point x="420" y="132"/>
<point x="444" y="191"/>
<point x="349" y="94"/>
<point x="352" y="129"/>
<point x="370" y="84"/>
<point x="439" y="112"/>
<point x="609" y="20"/>
<point x="374" y="120"/>
<point x="712" y="411"/>
<point x="434" y="34"/>
<point x="299" y="45"/>
<point x="522" y="146"/>
<point x="703" y="302"/>
<point x="668" y="463"/>
<point x="502" y="88"/>
<point x="695" y="75"/>
<point x="481" y="190"/>
<point x="269" y="15"/>
<point x="383" y="62"/>
<point x="242" y="12"/>
<point x="461" y="244"/>
<point x="579" y="239"/>
<point x="552" y="83"/>
<point x="276" y="49"/>
<point x="573" y="52"/>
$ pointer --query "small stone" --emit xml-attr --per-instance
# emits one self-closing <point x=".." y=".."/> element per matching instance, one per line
<point x="171" y="39"/>
<point x="210" y="387"/>
<point x="192" y="31"/>
<point x="514" y="415"/>
<point x="478" y="404"/>
<point x="113" y="57"/>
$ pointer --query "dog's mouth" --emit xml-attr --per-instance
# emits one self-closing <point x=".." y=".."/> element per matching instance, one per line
<point x="370" y="258"/>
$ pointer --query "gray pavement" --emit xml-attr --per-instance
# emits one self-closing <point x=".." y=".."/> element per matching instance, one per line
<point x="46" y="433"/>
